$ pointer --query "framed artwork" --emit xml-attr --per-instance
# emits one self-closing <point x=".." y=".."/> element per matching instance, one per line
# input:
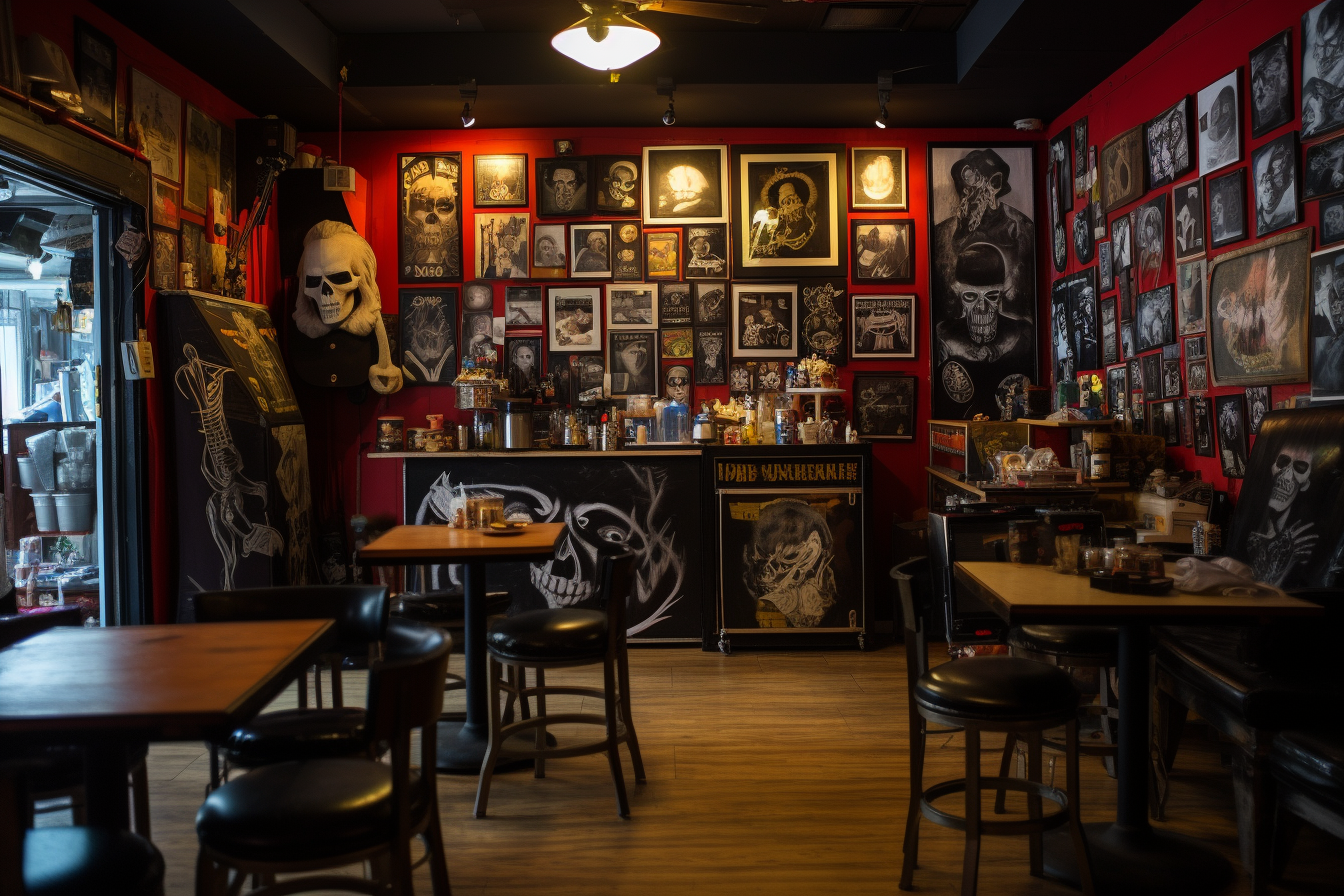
<point x="1057" y="202"/>
<point x="1062" y="357"/>
<point x="618" y="185"/>
<point x="1061" y="172"/>
<point x="1135" y="369"/>
<point x="429" y="239"/>
<point x="1327" y="324"/>
<point x="157" y="115"/>
<point x="1274" y="175"/>
<point x="1187" y="425"/>
<point x="575" y="318"/>
<point x="706" y="251"/>
<point x="1105" y="273"/>
<point x="228" y="171"/>
<point x="823" y="327"/>
<point x="632" y="306"/>
<point x="883" y="326"/>
<point x="769" y="375"/>
<point x="1324" y="174"/>
<point x="166" y="199"/>
<point x="1083" y="319"/>
<point x="522" y="364"/>
<point x="1122" y="169"/>
<point x="1272" y="84"/>
<point x="1150" y="241"/>
<point x="764" y="320"/>
<point x="710" y="303"/>
<point x="676" y="342"/>
<point x="1227" y="208"/>
<point x="590" y="251"/>
<point x="1122" y="253"/>
<point x="478" y="344"/>
<point x="982" y="295"/>
<point x="1196" y="347"/>
<point x="1322" y="71"/>
<point x="500" y="180"/>
<point x="1331" y="228"/>
<point x="1202" y="413"/>
<point x="1233" y="447"/>
<point x="1257" y="406"/>
<point x="165" y="260"/>
<point x="1191" y="277"/>
<point x="1080" y="166"/>
<point x="1155" y="319"/>
<point x="563" y="187"/>
<point x="1258" y="313"/>
<point x="740" y="377"/>
<point x="662" y="253"/>
<point x="711" y="356"/>
<point x="1127" y="338"/>
<point x="1187" y="219"/>
<point x="1110" y="339"/>
<point x="787" y="210"/>
<point x="1217" y="107"/>
<point x="549" y="252"/>
<point x="428" y="319"/>
<point x="96" y="73"/>
<point x="501" y="246"/>
<point x="627" y="251"/>
<point x="1084" y="244"/>
<point x="877" y="178"/>
<point x="1152" y="376"/>
<point x="1167" y="140"/>
<point x="686" y="185"/>
<point x="1172" y="387"/>
<point x="193" y="249"/>
<point x="478" y="295"/>
<point x="1171" y="423"/>
<point x="674" y="304"/>
<point x="563" y="147"/>
<point x="882" y="250"/>
<point x="884" y="406"/>
<point x="1117" y="388"/>
<point x="201" y="167"/>
<point x="522" y="307"/>
<point x="677" y="381"/>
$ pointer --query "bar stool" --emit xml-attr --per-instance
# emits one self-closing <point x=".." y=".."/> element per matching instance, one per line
<point x="1007" y="694"/>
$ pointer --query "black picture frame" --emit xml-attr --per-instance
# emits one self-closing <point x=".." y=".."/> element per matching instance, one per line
<point x="1197" y="376"/>
<point x="573" y="319"/>
<point x="562" y="147"/>
<point x="428" y="338"/>
<point x="96" y="73"/>
<point x="1218" y="121"/>
<point x="883" y="327"/>
<point x="1080" y="166"/>
<point x="632" y="360"/>
<point x="1320" y="87"/>
<point x="1202" y="413"/>
<point x="1110" y="334"/>
<point x="502" y="245"/>
<point x="1084" y="244"/>
<point x="1327" y="360"/>
<point x="741" y="380"/>
<point x="878" y="178"/>
<point x="1152" y="376"/>
<point x="1227" y="208"/>
<point x="164" y="253"/>
<point x="1122" y="168"/>
<point x="550" y="251"/>
<point x="1168" y="153"/>
<point x="1061" y="170"/>
<point x="1272" y="82"/>
<point x="764" y="320"/>
<point x="1187" y="220"/>
<point x="674" y="304"/>
<point x="1331" y="221"/>
<point x="711" y="356"/>
<point x="1258" y="404"/>
<point x="885" y="406"/>
<point x="1173" y="385"/>
<point x="824" y="313"/>
<point x="1155" y="317"/>
<point x="627" y="252"/>
<point x="1276" y="195"/>
<point x="1117" y="389"/>
<point x="523" y="379"/>
<point x="882" y="250"/>
<point x="779" y="245"/>
<point x="523" y="307"/>
<point x="1192" y="286"/>
<point x="707" y="253"/>
<point x="560" y="195"/>
<point x="710" y="303"/>
<point x="618" y="184"/>
<point x="590" y="256"/>
<point x="507" y="183"/>
<point x="429" y="252"/>
<point x="1323" y="171"/>
<point x="686" y="184"/>
<point x="1233" y="445"/>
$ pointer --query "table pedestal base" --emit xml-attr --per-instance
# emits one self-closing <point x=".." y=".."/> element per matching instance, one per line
<point x="462" y="747"/>
<point x="1129" y="861"/>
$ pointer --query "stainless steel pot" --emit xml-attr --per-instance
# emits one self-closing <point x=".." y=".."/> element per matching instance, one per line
<point x="515" y="422"/>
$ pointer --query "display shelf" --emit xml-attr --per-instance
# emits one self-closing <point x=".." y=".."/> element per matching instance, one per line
<point x="816" y="395"/>
<point x="534" y="452"/>
<point x="1070" y="424"/>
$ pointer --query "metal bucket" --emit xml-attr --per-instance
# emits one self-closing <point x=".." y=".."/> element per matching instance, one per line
<point x="74" y="511"/>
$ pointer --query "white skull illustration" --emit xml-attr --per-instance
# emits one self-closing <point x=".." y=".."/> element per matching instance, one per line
<point x="686" y="184"/>
<point x="1292" y="476"/>
<point x="621" y="181"/>
<point x="981" y="307"/>
<point x="435" y="204"/>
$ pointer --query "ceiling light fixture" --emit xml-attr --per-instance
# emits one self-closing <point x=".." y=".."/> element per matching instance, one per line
<point x="467" y="90"/>
<point x="606" y="39"/>
<point x="667" y="87"/>
<point x="883" y="97"/>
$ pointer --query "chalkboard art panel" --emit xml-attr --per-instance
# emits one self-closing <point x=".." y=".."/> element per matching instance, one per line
<point x="429" y="209"/>
<point x="428" y="336"/>
<point x="884" y="406"/>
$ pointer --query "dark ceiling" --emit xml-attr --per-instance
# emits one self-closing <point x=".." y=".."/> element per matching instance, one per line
<point x="957" y="63"/>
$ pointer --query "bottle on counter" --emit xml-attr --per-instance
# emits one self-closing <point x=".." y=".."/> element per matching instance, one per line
<point x="676" y="422"/>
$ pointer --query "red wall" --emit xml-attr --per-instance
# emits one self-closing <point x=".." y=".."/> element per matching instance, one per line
<point x="1207" y="43"/>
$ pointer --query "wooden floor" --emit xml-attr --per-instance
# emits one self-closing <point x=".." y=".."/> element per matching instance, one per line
<point x="773" y="773"/>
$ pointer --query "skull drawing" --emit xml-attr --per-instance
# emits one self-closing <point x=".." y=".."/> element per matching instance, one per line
<point x="687" y="186"/>
<point x="434" y="212"/>
<point x="1292" y="476"/>
<point x="787" y="562"/>
<point x="790" y="206"/>
<point x="981" y="281"/>
<point x="621" y="177"/>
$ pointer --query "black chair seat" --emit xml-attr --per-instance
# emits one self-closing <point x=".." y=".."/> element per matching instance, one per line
<point x="1099" y="643"/>
<point x="550" y="635"/>
<point x="1313" y="762"/>
<point x="299" y="734"/>
<point x="998" y="688"/>
<point x="446" y="607"/>
<point x="65" y="861"/>
<point x="301" y="811"/>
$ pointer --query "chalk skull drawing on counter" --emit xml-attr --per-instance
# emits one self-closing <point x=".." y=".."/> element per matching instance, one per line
<point x="338" y="289"/>
<point x="787" y="563"/>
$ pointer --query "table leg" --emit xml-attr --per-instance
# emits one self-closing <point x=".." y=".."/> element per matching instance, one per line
<point x="1129" y="856"/>
<point x="106" y="790"/>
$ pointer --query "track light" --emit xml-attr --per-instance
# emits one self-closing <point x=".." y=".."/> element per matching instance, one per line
<point x="670" y="116"/>
<point x="667" y="87"/>
<point x="467" y="90"/>
<point x="883" y="97"/>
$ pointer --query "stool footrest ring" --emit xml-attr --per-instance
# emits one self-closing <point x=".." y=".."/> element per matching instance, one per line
<point x="1046" y="822"/>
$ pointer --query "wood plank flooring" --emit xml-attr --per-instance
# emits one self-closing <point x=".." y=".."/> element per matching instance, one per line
<point x="778" y="773"/>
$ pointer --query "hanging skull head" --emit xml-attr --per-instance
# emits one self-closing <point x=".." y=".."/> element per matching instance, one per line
<point x="1292" y="476"/>
<point x="338" y="289"/>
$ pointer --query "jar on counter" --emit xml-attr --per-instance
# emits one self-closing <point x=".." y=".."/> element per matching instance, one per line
<point x="1126" y="558"/>
<point x="1150" y="562"/>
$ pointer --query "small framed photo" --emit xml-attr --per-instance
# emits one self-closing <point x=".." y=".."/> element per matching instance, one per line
<point x="769" y="375"/>
<point x="1201" y="411"/>
<point x="878" y="178"/>
<point x="522" y="306"/>
<point x="1117" y="389"/>
<point x="1156" y="325"/>
<point x="1171" y="379"/>
<point x="1324" y="175"/>
<point x="1152" y="376"/>
<point x="1196" y="347"/>
<point x="627" y="252"/>
<point x="1197" y="377"/>
<point x="1191" y="284"/>
<point x="1110" y="343"/>
<point x="500" y="180"/>
<point x="1105" y="274"/>
<point x="710" y="303"/>
<point x="706" y="251"/>
<point x="478" y="295"/>
<point x="96" y="73"/>
<point x="1187" y="219"/>
<point x="1257" y="406"/>
<point x="1272" y="85"/>
<point x="618" y="184"/>
<point x="740" y="378"/>
<point x="1171" y="423"/>
<point x="549" y="252"/>
<point x="1167" y="141"/>
<point x="711" y="356"/>
<point x="1233" y="447"/>
<point x="563" y="147"/>
<point x="764" y="320"/>
<point x="1332" y="221"/>
<point x="428" y="338"/>
<point x="167" y="204"/>
<point x="686" y="185"/>
<point x="632" y="306"/>
<point x="676" y="342"/>
<point x="164" y="268"/>
<point x="522" y="364"/>
<point x="632" y="358"/>
<point x="575" y="318"/>
<point x="662" y="253"/>
<point x="590" y="251"/>
<point x="1218" y="110"/>
<point x="884" y="405"/>
<point x="1227" y="208"/>
<point x="501" y="246"/>
<point x="882" y="326"/>
<point x="563" y="187"/>
<point x="1275" y="176"/>
<point x="674" y="304"/>
<point x="882" y="250"/>
<point x="1187" y="424"/>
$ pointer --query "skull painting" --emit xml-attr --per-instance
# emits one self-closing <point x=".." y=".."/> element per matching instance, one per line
<point x="434" y="213"/>
<point x="621" y="180"/>
<point x="981" y="275"/>
<point x="1285" y="538"/>
<point x="1292" y="476"/>
<point x="787" y="563"/>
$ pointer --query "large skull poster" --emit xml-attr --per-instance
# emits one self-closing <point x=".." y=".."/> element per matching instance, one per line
<point x="983" y="275"/>
<point x="429" y="203"/>
<point x="651" y="508"/>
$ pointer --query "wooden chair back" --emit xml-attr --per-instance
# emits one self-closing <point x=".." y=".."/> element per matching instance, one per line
<point x="360" y="611"/>
<point x="15" y="628"/>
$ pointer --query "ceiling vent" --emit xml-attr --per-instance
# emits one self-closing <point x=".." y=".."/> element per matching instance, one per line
<point x="867" y="16"/>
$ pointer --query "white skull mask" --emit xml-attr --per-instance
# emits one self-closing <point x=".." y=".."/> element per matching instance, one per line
<point x="1292" y="476"/>
<point x="981" y="309"/>
<point x="329" y="278"/>
<point x="435" y="207"/>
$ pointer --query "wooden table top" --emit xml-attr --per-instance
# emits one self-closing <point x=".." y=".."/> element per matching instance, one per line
<point x="414" y="544"/>
<point x="158" y="682"/>
<point x="1027" y="593"/>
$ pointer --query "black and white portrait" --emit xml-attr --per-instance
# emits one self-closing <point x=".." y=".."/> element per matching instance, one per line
<point x="1191" y="277"/>
<point x="1331" y="229"/>
<point x="1327" y="324"/>
<point x="1061" y="333"/>
<point x="1061" y="172"/>
<point x="983" y="277"/>
<point x="1197" y="376"/>
<point x="632" y="306"/>
<point x="1122" y="251"/>
<point x="707" y="251"/>
<point x="563" y="186"/>
<point x="1127" y="338"/>
<point x="590" y="251"/>
<point x="711" y="303"/>
<point x="1150" y="242"/>
<point x="1171" y="423"/>
<point x="823" y="326"/>
<point x="157" y="113"/>
<point x="575" y="321"/>
<point x="429" y="208"/>
<point x="1155" y="320"/>
<point x="1323" y="68"/>
<point x="522" y="306"/>
<point x="1080" y="165"/>
<point x="1233" y="449"/>
<point x="1274" y="174"/>
<point x="787" y="219"/>
<point x="884" y="406"/>
<point x="884" y="326"/>
<point x="627" y="252"/>
<point x="501" y="246"/>
<point x="1110" y="339"/>
<point x="1083" y="244"/>
<point x="685" y="184"/>
<point x="522" y="355"/>
<point x="1117" y="390"/>
<point x="500" y="180"/>
<point x="1196" y="347"/>
<point x="1227" y="208"/>
<point x="1218" y="108"/>
<point x="1324" y="170"/>
<point x="478" y="345"/>
<point x="549" y="250"/>
<point x="1083" y="314"/>
<point x="740" y="379"/>
<point x="877" y="177"/>
<point x="1202" y="414"/>
<point x="764" y="320"/>
<point x="674" y="304"/>
<point x="1135" y="371"/>
<point x="1171" y="378"/>
<point x="1187" y="219"/>
<point x="632" y="357"/>
<point x="1257" y="406"/>
<point x="428" y="336"/>
<point x="881" y="250"/>
<point x="711" y="356"/>
<point x="1105" y="274"/>
<point x="1167" y="139"/>
<point x="1122" y="161"/>
<point x="618" y="185"/>
<point x="1271" y="84"/>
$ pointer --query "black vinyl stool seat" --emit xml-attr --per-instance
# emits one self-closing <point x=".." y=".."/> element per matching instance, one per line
<point x="568" y="634"/>
<point x="78" y="861"/>
<point x="997" y="693"/>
